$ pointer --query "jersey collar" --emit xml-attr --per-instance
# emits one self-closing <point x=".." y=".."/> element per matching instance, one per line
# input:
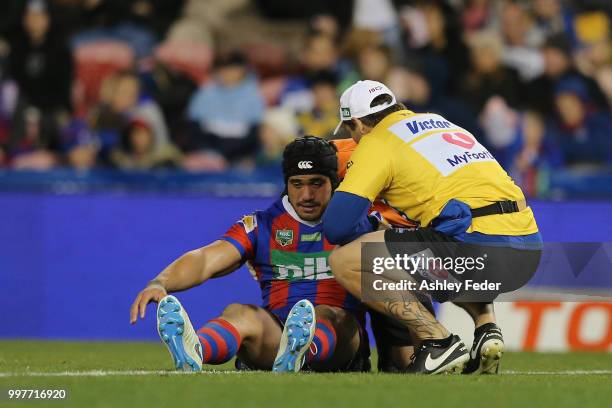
<point x="289" y="208"/>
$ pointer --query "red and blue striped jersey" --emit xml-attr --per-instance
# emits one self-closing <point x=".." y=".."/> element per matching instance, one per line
<point x="289" y="258"/>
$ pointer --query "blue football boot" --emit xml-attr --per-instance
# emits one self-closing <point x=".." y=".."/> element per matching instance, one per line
<point x="297" y="337"/>
<point x="177" y="333"/>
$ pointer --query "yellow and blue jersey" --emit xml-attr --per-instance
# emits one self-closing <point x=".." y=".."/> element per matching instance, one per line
<point x="418" y="163"/>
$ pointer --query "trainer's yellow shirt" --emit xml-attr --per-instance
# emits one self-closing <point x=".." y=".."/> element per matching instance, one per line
<point x="419" y="162"/>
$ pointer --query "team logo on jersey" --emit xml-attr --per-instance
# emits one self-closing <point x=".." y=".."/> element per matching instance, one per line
<point x="284" y="237"/>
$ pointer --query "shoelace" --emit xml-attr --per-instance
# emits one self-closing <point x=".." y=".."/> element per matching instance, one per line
<point x="313" y="346"/>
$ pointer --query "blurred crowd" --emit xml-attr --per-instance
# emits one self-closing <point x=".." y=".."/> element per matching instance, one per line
<point x="206" y="85"/>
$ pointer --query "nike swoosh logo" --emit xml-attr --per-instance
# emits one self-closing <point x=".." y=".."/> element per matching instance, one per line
<point x="474" y="350"/>
<point x="433" y="363"/>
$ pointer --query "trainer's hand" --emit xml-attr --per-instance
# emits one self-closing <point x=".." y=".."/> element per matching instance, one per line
<point x="152" y="293"/>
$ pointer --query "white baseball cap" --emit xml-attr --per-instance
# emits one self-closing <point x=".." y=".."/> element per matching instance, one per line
<point x="355" y="101"/>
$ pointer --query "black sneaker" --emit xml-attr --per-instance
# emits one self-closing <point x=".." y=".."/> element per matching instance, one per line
<point x="439" y="356"/>
<point x="486" y="351"/>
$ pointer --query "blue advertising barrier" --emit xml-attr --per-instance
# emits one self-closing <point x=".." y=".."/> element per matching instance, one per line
<point x="70" y="265"/>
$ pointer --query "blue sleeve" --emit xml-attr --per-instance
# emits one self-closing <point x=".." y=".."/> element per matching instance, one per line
<point x="346" y="218"/>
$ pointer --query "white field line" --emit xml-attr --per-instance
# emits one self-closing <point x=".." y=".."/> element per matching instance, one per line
<point x="564" y="372"/>
<point x="112" y="373"/>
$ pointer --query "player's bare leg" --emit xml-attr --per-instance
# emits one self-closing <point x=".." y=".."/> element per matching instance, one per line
<point x="259" y="332"/>
<point x="326" y="338"/>
<point x="244" y="330"/>
<point x="337" y="339"/>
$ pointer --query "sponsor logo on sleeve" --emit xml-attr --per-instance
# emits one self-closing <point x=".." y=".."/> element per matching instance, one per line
<point x="249" y="222"/>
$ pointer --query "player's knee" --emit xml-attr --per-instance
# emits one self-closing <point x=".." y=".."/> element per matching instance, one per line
<point x="326" y="312"/>
<point x="338" y="317"/>
<point x="238" y="310"/>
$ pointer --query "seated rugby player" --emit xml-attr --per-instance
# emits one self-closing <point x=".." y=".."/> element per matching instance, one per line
<point x="306" y="318"/>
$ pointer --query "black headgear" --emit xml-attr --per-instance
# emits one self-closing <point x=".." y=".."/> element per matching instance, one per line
<point x="311" y="155"/>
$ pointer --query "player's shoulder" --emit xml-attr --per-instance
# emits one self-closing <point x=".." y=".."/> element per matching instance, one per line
<point x="257" y="218"/>
<point x="265" y="217"/>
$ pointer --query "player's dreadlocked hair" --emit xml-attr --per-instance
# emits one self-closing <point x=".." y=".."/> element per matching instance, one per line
<point x="311" y="155"/>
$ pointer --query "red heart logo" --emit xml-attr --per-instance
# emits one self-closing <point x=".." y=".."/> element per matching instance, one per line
<point x="459" y="139"/>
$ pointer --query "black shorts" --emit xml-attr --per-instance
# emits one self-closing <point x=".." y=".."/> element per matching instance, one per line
<point x="492" y="263"/>
<point x="359" y="363"/>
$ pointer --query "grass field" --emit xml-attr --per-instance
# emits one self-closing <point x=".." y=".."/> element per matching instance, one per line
<point x="138" y="375"/>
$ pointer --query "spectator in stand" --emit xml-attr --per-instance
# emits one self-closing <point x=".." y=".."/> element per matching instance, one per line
<point x="226" y="112"/>
<point x="583" y="133"/>
<point x="551" y="18"/>
<point x="142" y="148"/>
<point x="477" y="15"/>
<point x="422" y="96"/>
<point x="322" y="118"/>
<point x="80" y="145"/>
<point x="373" y="62"/>
<point x="278" y="129"/>
<point x="137" y="22"/>
<point x="41" y="65"/>
<point x="521" y="42"/>
<point x="121" y="100"/>
<point x="320" y="53"/>
<point x="357" y="39"/>
<point x="532" y="154"/>
<point x="604" y="81"/>
<point x="8" y="101"/>
<point x="434" y="37"/>
<point x="489" y="77"/>
<point x="593" y="33"/>
<point x="558" y="66"/>
<point x="380" y="16"/>
<point x="172" y="89"/>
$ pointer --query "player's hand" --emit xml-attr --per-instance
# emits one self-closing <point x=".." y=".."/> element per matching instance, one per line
<point x="152" y="293"/>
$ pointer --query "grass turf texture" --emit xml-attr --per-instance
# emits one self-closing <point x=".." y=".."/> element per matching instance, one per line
<point x="218" y="389"/>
